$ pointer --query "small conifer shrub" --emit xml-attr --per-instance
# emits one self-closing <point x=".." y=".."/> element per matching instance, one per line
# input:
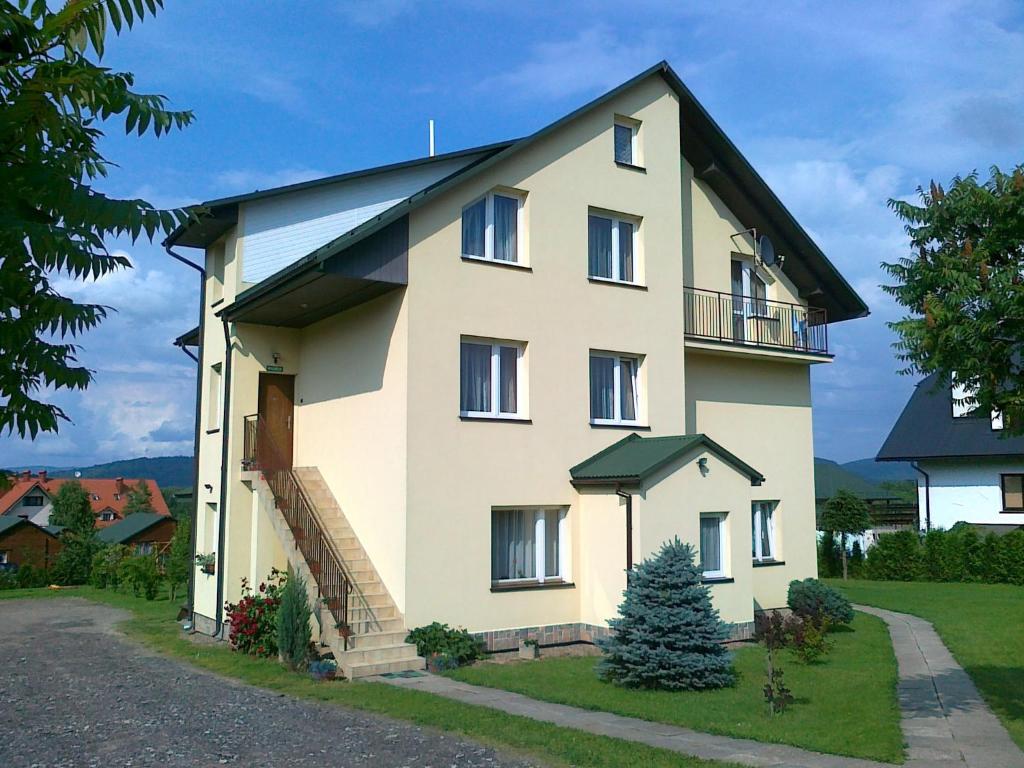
<point x="293" y="633"/>
<point x="667" y="634"/>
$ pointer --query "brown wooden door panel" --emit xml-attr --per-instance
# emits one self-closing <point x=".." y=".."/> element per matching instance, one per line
<point x="277" y="412"/>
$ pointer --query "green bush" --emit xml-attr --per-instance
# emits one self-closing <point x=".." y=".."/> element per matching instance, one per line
<point x="106" y="564"/>
<point x="441" y="640"/>
<point x="895" y="557"/>
<point x="30" y="577"/>
<point x="8" y="578"/>
<point x="293" y="633"/>
<point x="141" y="574"/>
<point x="818" y="602"/>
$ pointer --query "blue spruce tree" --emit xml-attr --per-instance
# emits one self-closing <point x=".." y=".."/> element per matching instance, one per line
<point x="667" y="634"/>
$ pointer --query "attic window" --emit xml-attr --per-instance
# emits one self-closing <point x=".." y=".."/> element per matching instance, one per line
<point x="627" y="134"/>
<point x="107" y="516"/>
<point x="117" y="497"/>
<point x="33" y="501"/>
<point x="95" y="497"/>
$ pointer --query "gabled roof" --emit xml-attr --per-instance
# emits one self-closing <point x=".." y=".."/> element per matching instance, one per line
<point x="634" y="458"/>
<point x="131" y="526"/>
<point x="829" y="477"/>
<point x="103" y="493"/>
<point x="716" y="160"/>
<point x="10" y="522"/>
<point x="927" y="430"/>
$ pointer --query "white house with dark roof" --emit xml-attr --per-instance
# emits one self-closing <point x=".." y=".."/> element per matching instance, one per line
<point x="969" y="469"/>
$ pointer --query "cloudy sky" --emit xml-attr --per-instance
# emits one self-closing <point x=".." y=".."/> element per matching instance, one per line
<point x="840" y="106"/>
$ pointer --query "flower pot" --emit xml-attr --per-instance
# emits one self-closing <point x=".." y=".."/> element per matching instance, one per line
<point x="529" y="651"/>
<point x="210" y="569"/>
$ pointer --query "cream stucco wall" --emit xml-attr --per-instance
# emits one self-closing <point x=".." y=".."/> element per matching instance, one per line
<point x="761" y="411"/>
<point x="458" y="469"/>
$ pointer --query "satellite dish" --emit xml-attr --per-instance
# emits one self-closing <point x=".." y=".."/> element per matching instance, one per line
<point x="767" y="250"/>
<point x="78" y="474"/>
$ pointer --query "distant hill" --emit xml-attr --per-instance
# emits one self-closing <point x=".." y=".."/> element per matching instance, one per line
<point x="166" y="470"/>
<point x="880" y="471"/>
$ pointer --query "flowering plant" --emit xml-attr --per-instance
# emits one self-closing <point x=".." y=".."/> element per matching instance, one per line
<point x="254" y="617"/>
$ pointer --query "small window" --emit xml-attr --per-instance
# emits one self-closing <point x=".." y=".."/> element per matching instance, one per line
<point x="491" y="378"/>
<point x="612" y="248"/>
<point x="106" y="516"/>
<point x="4" y="557"/>
<point x="95" y="497"/>
<point x="213" y="414"/>
<point x="614" y="388"/>
<point x="492" y="228"/>
<point x="763" y="531"/>
<point x="712" y="545"/>
<point x="626" y="134"/>
<point x="529" y="545"/>
<point x="144" y="548"/>
<point x="117" y="497"/>
<point x="1013" y="492"/>
<point x="33" y="501"/>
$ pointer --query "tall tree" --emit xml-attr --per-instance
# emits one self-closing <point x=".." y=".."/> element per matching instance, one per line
<point x="72" y="509"/>
<point x="54" y="97"/>
<point x="140" y="499"/>
<point x="963" y="287"/>
<point x="848" y="515"/>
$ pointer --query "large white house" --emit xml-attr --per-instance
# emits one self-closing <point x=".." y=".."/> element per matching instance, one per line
<point x="476" y="388"/>
<point x="969" y="470"/>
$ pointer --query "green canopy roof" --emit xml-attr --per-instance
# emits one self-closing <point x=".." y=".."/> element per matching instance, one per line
<point x="635" y="458"/>
<point x="123" y="530"/>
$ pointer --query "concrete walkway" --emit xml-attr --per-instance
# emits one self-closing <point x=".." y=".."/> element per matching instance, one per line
<point x="944" y="719"/>
<point x="945" y="722"/>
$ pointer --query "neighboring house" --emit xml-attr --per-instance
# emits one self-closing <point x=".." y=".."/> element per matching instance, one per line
<point x="969" y="470"/>
<point x="32" y="496"/>
<point x="22" y="542"/>
<point x="145" y="533"/>
<point x="501" y="375"/>
<point x="889" y="512"/>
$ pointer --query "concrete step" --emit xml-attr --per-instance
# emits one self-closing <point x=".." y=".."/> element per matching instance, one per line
<point x="378" y="654"/>
<point x="378" y="639"/>
<point x="357" y="671"/>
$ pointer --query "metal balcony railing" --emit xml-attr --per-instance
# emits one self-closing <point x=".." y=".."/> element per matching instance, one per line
<point x="754" y="322"/>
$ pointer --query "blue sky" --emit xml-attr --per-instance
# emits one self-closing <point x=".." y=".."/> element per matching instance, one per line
<point x="840" y="106"/>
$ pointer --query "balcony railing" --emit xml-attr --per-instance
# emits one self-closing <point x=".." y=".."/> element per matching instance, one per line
<point x="754" y="322"/>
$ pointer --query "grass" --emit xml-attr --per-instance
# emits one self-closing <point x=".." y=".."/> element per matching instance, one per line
<point x="153" y="624"/>
<point x="980" y="623"/>
<point x="845" y="705"/>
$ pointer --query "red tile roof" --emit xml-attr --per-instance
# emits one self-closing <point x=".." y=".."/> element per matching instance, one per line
<point x="104" y="493"/>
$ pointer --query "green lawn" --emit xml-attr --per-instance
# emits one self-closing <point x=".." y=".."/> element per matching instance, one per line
<point x="845" y="705"/>
<point x="982" y="624"/>
<point x="153" y="624"/>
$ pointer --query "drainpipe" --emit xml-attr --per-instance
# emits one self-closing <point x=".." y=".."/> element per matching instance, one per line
<point x="198" y="424"/>
<point x="927" y="496"/>
<point x="629" y="525"/>
<point x="223" y="511"/>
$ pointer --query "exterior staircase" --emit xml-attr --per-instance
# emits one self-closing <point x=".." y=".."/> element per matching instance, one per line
<point x="358" y="618"/>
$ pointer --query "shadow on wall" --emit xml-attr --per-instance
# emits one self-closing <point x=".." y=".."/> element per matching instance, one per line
<point x="347" y="354"/>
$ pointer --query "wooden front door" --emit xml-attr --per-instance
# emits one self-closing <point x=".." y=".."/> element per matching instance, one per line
<point x="276" y="409"/>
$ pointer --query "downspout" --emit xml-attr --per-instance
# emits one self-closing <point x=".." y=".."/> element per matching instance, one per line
<point x="629" y="525"/>
<point x="927" y="496"/>
<point x="223" y="511"/>
<point x="198" y="424"/>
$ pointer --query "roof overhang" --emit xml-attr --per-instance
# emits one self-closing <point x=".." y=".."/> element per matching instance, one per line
<point x="189" y="338"/>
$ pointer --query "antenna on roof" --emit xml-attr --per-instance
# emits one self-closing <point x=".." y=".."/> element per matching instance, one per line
<point x="431" y="138"/>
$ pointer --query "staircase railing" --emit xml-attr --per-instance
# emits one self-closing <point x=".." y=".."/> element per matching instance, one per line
<point x="352" y="614"/>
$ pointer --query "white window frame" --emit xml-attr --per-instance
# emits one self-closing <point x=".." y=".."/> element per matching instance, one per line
<point x="756" y="524"/>
<point x="564" y="575"/>
<point x="634" y="144"/>
<point x="107" y="516"/>
<point x="521" y="395"/>
<point x="616" y="219"/>
<point x="723" y="544"/>
<point x="520" y="197"/>
<point x="617" y="389"/>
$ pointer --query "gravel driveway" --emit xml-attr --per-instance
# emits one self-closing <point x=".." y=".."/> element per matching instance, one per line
<point x="74" y="692"/>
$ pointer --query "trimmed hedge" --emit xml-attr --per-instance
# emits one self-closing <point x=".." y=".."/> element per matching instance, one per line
<point x="957" y="555"/>
<point x="814" y="600"/>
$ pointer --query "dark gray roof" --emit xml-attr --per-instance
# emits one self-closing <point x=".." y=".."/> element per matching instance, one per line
<point x="9" y="522"/>
<point x="927" y="430"/>
<point x="829" y="477"/>
<point x="123" y="530"/>
<point x="716" y="161"/>
<point x="188" y="338"/>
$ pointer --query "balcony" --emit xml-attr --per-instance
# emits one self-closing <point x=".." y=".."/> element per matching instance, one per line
<point x="745" y="321"/>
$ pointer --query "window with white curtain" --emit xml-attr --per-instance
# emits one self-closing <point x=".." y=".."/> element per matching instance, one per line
<point x="529" y="544"/>
<point x="612" y="248"/>
<point x="627" y="133"/>
<point x="491" y="379"/>
<point x="492" y="228"/>
<point x="614" y="388"/>
<point x="712" y="545"/>
<point x="763" y="530"/>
